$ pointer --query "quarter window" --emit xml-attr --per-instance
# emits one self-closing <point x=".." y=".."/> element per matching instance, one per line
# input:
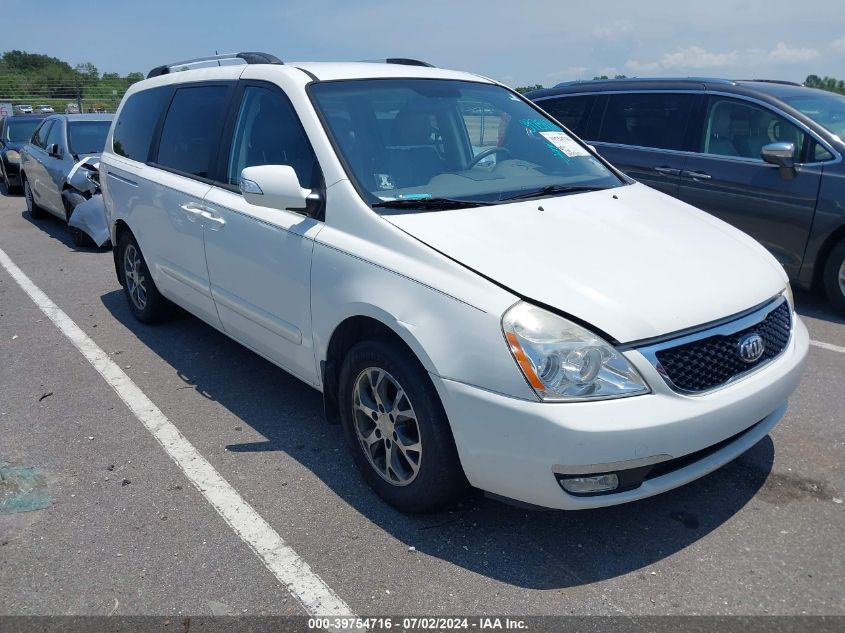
<point x="656" y="120"/>
<point x="268" y="132"/>
<point x="741" y="129"/>
<point x="192" y="129"/>
<point x="573" y="112"/>
<point x="136" y="125"/>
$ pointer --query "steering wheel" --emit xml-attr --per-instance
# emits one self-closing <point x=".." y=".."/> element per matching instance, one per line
<point x="487" y="152"/>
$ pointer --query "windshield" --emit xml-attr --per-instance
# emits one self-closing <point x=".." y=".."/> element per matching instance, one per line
<point x="828" y="110"/>
<point x="87" y="137"/>
<point x="20" y="131"/>
<point x="412" y="140"/>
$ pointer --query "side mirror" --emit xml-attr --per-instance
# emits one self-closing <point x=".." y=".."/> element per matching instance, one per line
<point x="274" y="186"/>
<point x="780" y="154"/>
<point x="53" y="150"/>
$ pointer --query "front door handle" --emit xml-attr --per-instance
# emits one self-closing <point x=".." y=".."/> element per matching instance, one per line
<point x="668" y="171"/>
<point x="193" y="209"/>
<point x="697" y="175"/>
<point x="215" y="221"/>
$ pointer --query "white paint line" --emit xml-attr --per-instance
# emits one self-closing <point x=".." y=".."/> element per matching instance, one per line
<point x="828" y="346"/>
<point x="315" y="596"/>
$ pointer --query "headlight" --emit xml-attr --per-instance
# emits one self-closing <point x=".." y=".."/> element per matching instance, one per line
<point x="789" y="298"/>
<point x="12" y="156"/>
<point x="564" y="362"/>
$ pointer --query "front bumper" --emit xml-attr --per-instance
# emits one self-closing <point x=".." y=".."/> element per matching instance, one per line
<point x="513" y="448"/>
<point x="13" y="172"/>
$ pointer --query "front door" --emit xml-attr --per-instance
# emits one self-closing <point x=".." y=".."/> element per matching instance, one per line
<point x="259" y="259"/>
<point x="729" y="179"/>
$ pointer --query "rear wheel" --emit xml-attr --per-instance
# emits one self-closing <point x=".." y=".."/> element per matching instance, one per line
<point x="145" y="301"/>
<point x="34" y="210"/>
<point x="834" y="277"/>
<point x="397" y="429"/>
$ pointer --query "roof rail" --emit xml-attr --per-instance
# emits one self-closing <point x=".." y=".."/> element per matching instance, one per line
<point x="214" y="60"/>
<point x="405" y="61"/>
<point x="712" y="80"/>
<point x="775" y="81"/>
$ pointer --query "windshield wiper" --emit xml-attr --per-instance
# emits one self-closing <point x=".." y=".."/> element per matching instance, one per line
<point x="552" y="189"/>
<point x="430" y="203"/>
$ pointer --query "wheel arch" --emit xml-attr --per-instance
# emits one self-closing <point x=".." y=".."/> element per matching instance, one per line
<point x="836" y="236"/>
<point x="368" y="323"/>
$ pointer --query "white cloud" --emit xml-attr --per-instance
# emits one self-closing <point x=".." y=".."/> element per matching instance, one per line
<point x="573" y="72"/>
<point x="698" y="58"/>
<point x="784" y="53"/>
<point x="838" y="45"/>
<point x="620" y="27"/>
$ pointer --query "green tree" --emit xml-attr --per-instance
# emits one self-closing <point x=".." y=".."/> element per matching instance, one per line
<point x="825" y="83"/>
<point x="524" y="89"/>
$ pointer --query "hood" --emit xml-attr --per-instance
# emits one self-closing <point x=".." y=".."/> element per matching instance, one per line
<point x="15" y="145"/>
<point x="631" y="261"/>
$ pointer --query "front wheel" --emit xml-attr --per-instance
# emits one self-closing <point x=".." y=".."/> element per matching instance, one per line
<point x="145" y="301"/>
<point x="72" y="199"/>
<point x="35" y="211"/>
<point x="397" y="429"/>
<point x="834" y="277"/>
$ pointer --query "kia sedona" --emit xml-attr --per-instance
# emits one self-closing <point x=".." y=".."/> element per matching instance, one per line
<point x="481" y="299"/>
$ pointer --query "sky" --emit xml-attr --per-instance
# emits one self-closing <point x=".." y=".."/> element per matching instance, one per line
<point x="518" y="42"/>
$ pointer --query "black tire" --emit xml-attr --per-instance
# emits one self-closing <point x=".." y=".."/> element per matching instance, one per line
<point x="834" y="277"/>
<point x="71" y="200"/>
<point x="36" y="212"/>
<point x="154" y="307"/>
<point x="7" y="187"/>
<point x="439" y="479"/>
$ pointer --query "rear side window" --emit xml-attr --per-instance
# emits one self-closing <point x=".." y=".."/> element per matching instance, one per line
<point x="656" y="120"/>
<point x="192" y="129"/>
<point x="136" y="125"/>
<point x="573" y="112"/>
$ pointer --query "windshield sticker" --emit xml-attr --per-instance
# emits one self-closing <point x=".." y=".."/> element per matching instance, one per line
<point x="565" y="144"/>
<point x="413" y="196"/>
<point x="384" y="181"/>
<point x="540" y="125"/>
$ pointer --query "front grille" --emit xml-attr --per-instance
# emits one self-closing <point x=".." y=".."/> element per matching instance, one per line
<point x="709" y="362"/>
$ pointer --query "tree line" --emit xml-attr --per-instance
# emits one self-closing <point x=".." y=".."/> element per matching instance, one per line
<point x="32" y="77"/>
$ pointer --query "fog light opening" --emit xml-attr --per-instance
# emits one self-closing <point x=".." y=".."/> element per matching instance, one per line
<point x="590" y="484"/>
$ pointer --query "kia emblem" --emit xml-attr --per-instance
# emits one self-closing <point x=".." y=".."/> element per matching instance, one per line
<point x="751" y="347"/>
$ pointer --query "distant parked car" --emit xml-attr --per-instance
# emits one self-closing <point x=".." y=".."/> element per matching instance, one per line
<point x="15" y="132"/>
<point x="45" y="109"/>
<point x="50" y="159"/>
<point x="765" y="156"/>
<point x="23" y="109"/>
<point x="72" y="108"/>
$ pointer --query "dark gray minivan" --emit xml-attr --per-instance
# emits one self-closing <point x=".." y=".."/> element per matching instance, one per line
<point x="765" y="156"/>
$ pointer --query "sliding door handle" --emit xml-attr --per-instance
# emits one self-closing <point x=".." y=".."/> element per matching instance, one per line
<point x="696" y="175"/>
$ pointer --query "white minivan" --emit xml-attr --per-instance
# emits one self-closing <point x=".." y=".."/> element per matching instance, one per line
<point x="482" y="299"/>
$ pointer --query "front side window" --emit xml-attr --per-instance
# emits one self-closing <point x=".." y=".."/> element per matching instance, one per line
<point x="56" y="135"/>
<point x="39" y="138"/>
<point x="191" y="129"/>
<point x="741" y="129"/>
<point x="268" y="132"/>
<point x="415" y="140"/>
<point x="657" y="120"/>
<point x="87" y="137"/>
<point x="20" y="131"/>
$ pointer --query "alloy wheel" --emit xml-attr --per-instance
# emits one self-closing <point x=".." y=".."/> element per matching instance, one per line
<point x="386" y="426"/>
<point x="133" y="273"/>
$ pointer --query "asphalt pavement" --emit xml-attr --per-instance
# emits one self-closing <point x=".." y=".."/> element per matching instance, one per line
<point x="122" y="530"/>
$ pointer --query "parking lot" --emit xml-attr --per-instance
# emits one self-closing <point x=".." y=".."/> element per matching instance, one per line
<point x="126" y="531"/>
